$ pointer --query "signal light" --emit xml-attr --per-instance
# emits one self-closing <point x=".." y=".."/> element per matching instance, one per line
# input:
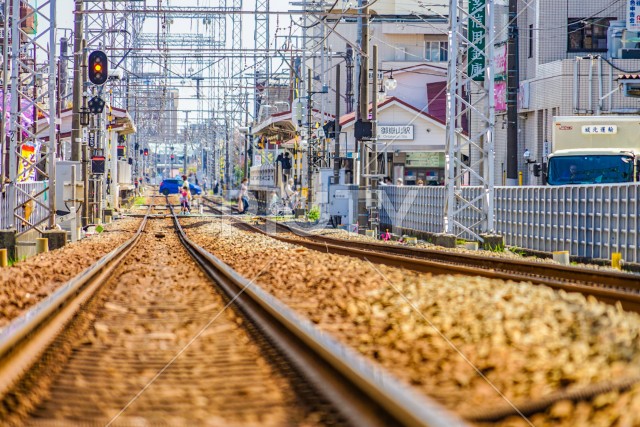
<point x="96" y="105"/>
<point x="146" y="151"/>
<point x="98" y="67"/>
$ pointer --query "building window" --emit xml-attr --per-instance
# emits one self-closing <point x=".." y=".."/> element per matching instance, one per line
<point x="436" y="51"/>
<point x="588" y="34"/>
<point x="531" y="41"/>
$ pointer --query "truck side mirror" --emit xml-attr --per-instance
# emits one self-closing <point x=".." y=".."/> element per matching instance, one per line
<point x="537" y="169"/>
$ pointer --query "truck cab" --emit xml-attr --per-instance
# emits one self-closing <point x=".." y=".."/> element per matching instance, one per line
<point x="591" y="166"/>
<point x="594" y="150"/>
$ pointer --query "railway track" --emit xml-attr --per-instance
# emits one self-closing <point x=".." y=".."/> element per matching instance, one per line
<point x="143" y="336"/>
<point x="606" y="286"/>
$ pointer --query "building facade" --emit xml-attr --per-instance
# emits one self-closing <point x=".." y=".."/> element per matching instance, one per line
<point x="571" y="55"/>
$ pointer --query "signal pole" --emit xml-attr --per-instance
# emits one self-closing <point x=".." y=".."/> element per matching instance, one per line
<point x="363" y="112"/>
<point x="78" y="84"/>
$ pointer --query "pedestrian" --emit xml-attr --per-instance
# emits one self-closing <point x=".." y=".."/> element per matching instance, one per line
<point x="243" y="197"/>
<point x="286" y="165"/>
<point x="204" y="185"/>
<point x="420" y="183"/>
<point x="216" y="188"/>
<point x="135" y="186"/>
<point x="399" y="182"/>
<point x="185" y="197"/>
<point x="291" y="194"/>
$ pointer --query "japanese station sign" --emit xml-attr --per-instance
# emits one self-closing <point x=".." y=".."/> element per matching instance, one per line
<point x="633" y="15"/>
<point x="599" y="130"/>
<point x="395" y="132"/>
<point x="477" y="37"/>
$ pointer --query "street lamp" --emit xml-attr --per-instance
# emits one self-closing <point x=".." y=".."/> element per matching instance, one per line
<point x="391" y="83"/>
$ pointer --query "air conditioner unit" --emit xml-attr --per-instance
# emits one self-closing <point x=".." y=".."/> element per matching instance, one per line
<point x="631" y="88"/>
<point x="622" y="44"/>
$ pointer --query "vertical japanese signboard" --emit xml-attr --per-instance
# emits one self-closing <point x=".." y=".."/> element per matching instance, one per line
<point x="633" y="15"/>
<point x="476" y="35"/>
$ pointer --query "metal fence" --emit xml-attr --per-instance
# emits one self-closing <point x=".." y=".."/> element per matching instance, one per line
<point x="587" y="220"/>
<point x="39" y="212"/>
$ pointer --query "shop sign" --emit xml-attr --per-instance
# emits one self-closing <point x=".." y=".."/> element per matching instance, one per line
<point x="425" y="160"/>
<point x="395" y="132"/>
<point x="599" y="130"/>
<point x="477" y="38"/>
<point x="633" y="15"/>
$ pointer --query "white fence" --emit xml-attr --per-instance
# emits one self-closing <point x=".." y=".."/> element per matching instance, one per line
<point x="39" y="212"/>
<point x="588" y="220"/>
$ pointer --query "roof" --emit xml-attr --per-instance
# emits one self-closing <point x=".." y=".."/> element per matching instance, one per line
<point x="592" y="151"/>
<point x="284" y="120"/>
<point x="412" y="68"/>
<point x="628" y="76"/>
<point x="348" y="118"/>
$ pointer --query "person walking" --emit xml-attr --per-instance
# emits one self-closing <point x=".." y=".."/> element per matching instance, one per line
<point x="243" y="196"/>
<point x="291" y="194"/>
<point x="185" y="197"/>
<point x="286" y="166"/>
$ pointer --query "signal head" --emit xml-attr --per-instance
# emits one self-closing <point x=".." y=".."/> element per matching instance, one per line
<point x="98" y="67"/>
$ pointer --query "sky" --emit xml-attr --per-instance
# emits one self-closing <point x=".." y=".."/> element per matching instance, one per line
<point x="278" y="24"/>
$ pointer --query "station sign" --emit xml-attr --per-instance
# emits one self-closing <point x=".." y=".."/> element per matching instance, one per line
<point x="633" y="15"/>
<point x="395" y="132"/>
<point x="599" y="130"/>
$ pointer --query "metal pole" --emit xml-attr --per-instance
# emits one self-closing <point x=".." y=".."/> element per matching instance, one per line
<point x="14" y="129"/>
<point x="336" y="132"/>
<point x="186" y="134"/>
<point x="452" y="137"/>
<point x="489" y="149"/>
<point x="78" y="83"/>
<point x="6" y="30"/>
<point x="309" y="150"/>
<point x="246" y="138"/>
<point x="52" y="114"/>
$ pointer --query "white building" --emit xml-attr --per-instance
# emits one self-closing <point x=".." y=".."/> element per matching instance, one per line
<point x="410" y="142"/>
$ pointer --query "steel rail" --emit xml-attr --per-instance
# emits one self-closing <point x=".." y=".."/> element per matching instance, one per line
<point x="27" y="336"/>
<point x="362" y="392"/>
<point x="625" y="292"/>
<point x="559" y="272"/>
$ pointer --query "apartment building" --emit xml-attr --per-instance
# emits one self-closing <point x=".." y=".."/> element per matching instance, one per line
<point x="571" y="56"/>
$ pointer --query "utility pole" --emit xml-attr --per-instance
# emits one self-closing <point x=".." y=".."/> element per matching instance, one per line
<point x="513" y="84"/>
<point x="78" y="83"/>
<point x="373" y="167"/>
<point x="363" y="112"/>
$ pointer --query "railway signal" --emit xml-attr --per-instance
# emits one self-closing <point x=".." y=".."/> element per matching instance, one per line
<point x="98" y="67"/>
<point x="96" y="105"/>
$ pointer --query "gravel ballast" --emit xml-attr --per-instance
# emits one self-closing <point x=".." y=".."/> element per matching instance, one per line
<point x="28" y="282"/>
<point x="459" y="339"/>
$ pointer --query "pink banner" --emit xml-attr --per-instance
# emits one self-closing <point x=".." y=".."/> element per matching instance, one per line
<point x="500" y="95"/>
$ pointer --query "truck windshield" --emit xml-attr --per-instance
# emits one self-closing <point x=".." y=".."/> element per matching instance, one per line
<point x="590" y="169"/>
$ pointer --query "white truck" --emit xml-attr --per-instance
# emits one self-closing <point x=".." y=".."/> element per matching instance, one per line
<point x="594" y="150"/>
